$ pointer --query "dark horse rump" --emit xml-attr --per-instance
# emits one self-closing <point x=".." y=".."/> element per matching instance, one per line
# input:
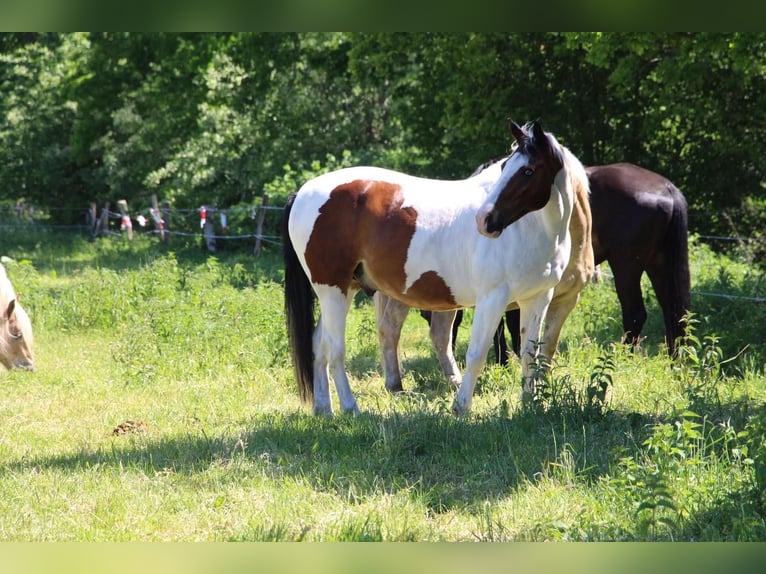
<point x="639" y="225"/>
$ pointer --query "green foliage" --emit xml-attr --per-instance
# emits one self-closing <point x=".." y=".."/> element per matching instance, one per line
<point x="291" y="179"/>
<point x="214" y="118"/>
<point x="561" y="394"/>
<point x="754" y="449"/>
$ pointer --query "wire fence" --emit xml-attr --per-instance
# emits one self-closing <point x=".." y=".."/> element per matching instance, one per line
<point x="214" y="227"/>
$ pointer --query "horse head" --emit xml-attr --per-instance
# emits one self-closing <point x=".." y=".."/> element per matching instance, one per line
<point x="525" y="181"/>
<point x="16" y="338"/>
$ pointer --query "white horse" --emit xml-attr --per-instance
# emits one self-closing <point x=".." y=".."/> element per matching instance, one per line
<point x="15" y="328"/>
<point x="482" y="242"/>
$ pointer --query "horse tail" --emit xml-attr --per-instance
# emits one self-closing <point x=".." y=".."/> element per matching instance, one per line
<point x="677" y="266"/>
<point x="300" y="301"/>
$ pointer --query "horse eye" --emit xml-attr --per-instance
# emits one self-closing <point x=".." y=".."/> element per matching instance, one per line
<point x="529" y="171"/>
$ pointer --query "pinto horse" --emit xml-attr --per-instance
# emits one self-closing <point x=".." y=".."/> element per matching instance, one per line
<point x="481" y="242"/>
<point x="15" y="328"/>
<point x="391" y="313"/>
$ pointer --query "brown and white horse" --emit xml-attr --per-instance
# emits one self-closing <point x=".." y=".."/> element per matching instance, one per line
<point x="390" y="313"/>
<point x="482" y="242"/>
<point x="15" y="328"/>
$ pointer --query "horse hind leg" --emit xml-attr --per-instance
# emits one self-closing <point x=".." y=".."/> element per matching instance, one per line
<point x="500" y="344"/>
<point x="441" y="333"/>
<point x="559" y="310"/>
<point x="390" y="315"/>
<point x="627" y="282"/>
<point x="671" y="310"/>
<point x="330" y="351"/>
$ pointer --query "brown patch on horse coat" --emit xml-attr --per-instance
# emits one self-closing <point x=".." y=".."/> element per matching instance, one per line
<point x="363" y="222"/>
<point x="428" y="288"/>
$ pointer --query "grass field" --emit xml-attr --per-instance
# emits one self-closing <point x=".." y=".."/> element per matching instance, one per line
<point x="164" y="407"/>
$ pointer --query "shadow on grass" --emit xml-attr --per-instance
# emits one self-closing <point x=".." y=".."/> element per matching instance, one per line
<point x="443" y="462"/>
<point x="447" y="462"/>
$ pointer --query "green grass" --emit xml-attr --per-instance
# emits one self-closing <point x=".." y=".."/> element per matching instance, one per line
<point x="194" y="347"/>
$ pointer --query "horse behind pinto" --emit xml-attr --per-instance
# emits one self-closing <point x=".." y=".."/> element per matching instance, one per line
<point x="639" y="226"/>
<point x="15" y="328"/>
<point x="429" y="244"/>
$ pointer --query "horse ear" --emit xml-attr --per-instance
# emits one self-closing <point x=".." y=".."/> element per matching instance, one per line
<point x="518" y="133"/>
<point x="537" y="132"/>
<point x="10" y="308"/>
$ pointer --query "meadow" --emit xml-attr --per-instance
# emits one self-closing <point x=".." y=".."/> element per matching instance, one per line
<point x="164" y="408"/>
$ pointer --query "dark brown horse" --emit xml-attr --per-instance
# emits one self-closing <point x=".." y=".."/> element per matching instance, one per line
<point x="639" y="226"/>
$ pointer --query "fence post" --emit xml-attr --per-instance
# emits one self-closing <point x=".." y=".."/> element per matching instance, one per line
<point x="92" y="219"/>
<point x="259" y="226"/>
<point x="159" y="218"/>
<point x="125" y="223"/>
<point x="102" y="224"/>
<point x="208" y="230"/>
<point x="165" y="209"/>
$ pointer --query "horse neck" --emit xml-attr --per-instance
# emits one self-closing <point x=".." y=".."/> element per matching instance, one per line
<point x="487" y="178"/>
<point x="557" y="213"/>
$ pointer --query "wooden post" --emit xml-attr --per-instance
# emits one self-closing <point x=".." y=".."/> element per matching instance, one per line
<point x="259" y="226"/>
<point x="102" y="226"/>
<point x="125" y="223"/>
<point x="208" y="229"/>
<point x="92" y="219"/>
<point x="159" y="219"/>
<point x="165" y="210"/>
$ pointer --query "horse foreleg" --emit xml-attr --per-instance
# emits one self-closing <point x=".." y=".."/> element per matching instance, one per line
<point x="390" y="315"/>
<point x="331" y="351"/>
<point x="441" y="337"/>
<point x="486" y="317"/>
<point x="500" y="344"/>
<point x="533" y="313"/>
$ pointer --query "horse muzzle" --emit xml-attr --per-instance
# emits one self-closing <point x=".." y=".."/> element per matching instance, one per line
<point x="24" y="365"/>
<point x="487" y="224"/>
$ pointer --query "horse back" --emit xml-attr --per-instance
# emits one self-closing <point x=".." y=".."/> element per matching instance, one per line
<point x="631" y="208"/>
<point x="361" y="233"/>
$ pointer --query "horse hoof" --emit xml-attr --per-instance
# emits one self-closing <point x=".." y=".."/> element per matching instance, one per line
<point x="394" y="389"/>
<point x="460" y="410"/>
<point x="323" y="411"/>
<point x="528" y="397"/>
<point x="353" y="411"/>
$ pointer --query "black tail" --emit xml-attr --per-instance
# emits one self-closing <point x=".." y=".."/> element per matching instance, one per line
<point x="677" y="262"/>
<point x="300" y="301"/>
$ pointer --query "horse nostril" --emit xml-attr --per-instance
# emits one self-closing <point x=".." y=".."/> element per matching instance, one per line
<point x="491" y="224"/>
